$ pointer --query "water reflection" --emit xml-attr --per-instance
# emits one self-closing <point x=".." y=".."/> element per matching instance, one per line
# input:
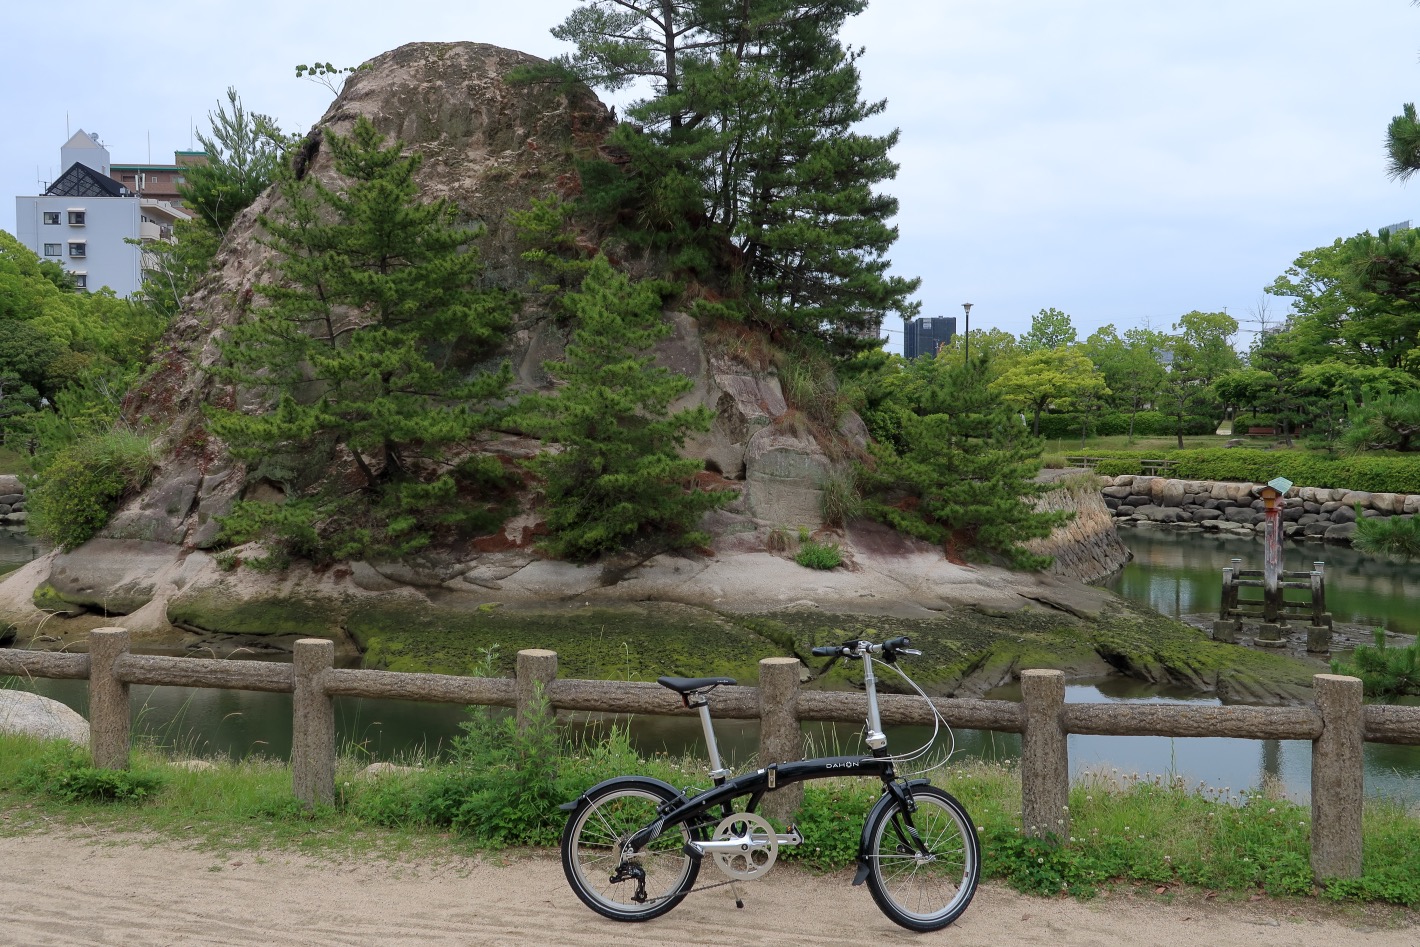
<point x="18" y="547"/>
<point x="1180" y="573"/>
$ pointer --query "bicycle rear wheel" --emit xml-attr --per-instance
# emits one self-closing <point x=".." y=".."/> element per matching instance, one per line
<point x="591" y="853"/>
<point x="923" y="872"/>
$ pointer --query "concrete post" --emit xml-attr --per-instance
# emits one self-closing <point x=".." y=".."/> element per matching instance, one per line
<point x="780" y="739"/>
<point x="536" y="669"/>
<point x="108" y="699"/>
<point x="313" y="723"/>
<point x="1045" y="761"/>
<point x="1337" y="781"/>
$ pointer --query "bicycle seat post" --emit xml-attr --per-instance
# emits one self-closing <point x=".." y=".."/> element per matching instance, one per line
<point x="702" y="703"/>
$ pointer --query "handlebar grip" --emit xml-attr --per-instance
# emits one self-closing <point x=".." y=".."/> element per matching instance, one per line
<point x="826" y="651"/>
<point x="897" y="644"/>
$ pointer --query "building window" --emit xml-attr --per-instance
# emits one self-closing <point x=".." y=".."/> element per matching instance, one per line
<point x="76" y="248"/>
<point x="81" y="280"/>
<point x="51" y="216"/>
<point x="76" y="218"/>
<point x="53" y="249"/>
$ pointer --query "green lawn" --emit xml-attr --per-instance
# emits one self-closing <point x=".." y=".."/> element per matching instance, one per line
<point x="14" y="462"/>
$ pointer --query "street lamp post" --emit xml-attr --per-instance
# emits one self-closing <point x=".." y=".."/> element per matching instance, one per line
<point x="967" y="308"/>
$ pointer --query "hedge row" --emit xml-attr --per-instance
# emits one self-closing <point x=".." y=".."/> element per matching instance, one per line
<point x="1385" y="473"/>
<point x="1116" y="423"/>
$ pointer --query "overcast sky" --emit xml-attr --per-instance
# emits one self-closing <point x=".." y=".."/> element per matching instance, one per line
<point x="1123" y="161"/>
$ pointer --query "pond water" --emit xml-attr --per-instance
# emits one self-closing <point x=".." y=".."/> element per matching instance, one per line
<point x="17" y="547"/>
<point x="1177" y="573"/>
<point x="1180" y="573"/>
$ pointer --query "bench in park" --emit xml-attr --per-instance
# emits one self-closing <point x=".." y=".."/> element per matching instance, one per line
<point x="1151" y="468"/>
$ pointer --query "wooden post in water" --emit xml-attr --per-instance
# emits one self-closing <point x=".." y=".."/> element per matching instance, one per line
<point x="536" y="670"/>
<point x="780" y="738"/>
<point x="1273" y="618"/>
<point x="313" y="723"/>
<point x="108" y="699"/>
<point x="1045" y="761"/>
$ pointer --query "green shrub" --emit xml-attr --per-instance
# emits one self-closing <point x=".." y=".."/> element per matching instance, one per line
<point x="1116" y="424"/>
<point x="815" y="555"/>
<point x="1384" y="672"/>
<point x="1393" y="535"/>
<point x="80" y="489"/>
<point x="62" y="770"/>
<point x="1371" y="472"/>
<point x="841" y="499"/>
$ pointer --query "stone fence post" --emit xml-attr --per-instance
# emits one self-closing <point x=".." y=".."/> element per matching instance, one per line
<point x="1045" y="762"/>
<point x="313" y="723"/>
<point x="108" y="699"/>
<point x="1337" y="779"/>
<point x="536" y="670"/>
<point x="780" y="738"/>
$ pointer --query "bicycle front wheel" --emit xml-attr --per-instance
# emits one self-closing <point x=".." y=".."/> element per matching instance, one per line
<point x="923" y="866"/>
<point x="649" y="883"/>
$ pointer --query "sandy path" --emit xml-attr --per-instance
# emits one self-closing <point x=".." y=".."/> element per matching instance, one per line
<point x="66" y="890"/>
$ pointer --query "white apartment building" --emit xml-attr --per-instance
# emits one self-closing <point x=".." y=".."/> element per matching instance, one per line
<point x="85" y="218"/>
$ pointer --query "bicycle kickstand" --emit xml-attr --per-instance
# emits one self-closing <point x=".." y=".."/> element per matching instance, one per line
<point x="739" y="896"/>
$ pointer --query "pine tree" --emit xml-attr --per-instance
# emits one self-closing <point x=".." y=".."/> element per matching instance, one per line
<point x="616" y="480"/>
<point x="747" y="156"/>
<point x="362" y="349"/>
<point x="961" y="467"/>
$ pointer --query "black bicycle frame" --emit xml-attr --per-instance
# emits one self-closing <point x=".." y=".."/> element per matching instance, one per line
<point x="691" y="811"/>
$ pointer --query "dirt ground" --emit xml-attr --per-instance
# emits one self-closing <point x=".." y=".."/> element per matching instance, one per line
<point x="69" y="889"/>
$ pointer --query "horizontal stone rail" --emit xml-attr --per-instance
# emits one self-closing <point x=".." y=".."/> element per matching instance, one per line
<point x="54" y="665"/>
<point x="205" y="672"/>
<point x="1337" y="723"/>
<point x="436" y="688"/>
<point x="1173" y="720"/>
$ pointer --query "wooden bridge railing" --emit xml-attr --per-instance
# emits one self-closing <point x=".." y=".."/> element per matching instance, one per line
<point x="1337" y="723"/>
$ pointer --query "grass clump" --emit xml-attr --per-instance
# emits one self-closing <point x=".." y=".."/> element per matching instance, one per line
<point x="62" y="770"/>
<point x="816" y="555"/>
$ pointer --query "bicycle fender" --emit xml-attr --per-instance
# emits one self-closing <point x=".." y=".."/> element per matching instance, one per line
<point x="580" y="801"/>
<point x="891" y="795"/>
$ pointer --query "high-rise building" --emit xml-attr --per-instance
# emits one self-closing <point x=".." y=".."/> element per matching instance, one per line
<point x="926" y="334"/>
<point x="85" y="220"/>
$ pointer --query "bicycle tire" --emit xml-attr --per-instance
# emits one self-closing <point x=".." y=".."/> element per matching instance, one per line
<point x="591" y="850"/>
<point x="923" y="892"/>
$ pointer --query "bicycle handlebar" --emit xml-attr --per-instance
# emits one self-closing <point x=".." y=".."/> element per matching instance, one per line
<point x="890" y="649"/>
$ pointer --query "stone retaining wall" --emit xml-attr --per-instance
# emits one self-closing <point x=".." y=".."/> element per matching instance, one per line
<point x="12" y="501"/>
<point x="1088" y="547"/>
<point x="1312" y="513"/>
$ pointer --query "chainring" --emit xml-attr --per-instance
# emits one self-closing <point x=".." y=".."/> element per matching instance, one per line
<point x="759" y="846"/>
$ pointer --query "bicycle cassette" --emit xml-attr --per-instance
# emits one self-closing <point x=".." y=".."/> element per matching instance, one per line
<point x="755" y="848"/>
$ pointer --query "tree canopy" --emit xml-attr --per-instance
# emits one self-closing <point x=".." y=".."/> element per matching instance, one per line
<point x="747" y="158"/>
<point x="363" y="352"/>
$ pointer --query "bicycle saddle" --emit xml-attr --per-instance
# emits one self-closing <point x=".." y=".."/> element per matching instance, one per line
<point x="688" y="685"/>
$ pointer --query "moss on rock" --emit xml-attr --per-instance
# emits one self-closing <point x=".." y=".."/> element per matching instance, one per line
<point x="636" y="642"/>
<point x="211" y="610"/>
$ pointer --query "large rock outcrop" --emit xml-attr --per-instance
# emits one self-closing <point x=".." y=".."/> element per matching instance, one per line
<point x="491" y="146"/>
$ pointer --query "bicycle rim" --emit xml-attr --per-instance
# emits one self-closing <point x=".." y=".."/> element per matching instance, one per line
<point x="924" y="885"/>
<point x="592" y="852"/>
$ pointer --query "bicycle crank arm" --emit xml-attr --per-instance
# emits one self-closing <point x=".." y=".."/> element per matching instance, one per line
<point x="729" y="846"/>
<point x="738" y="844"/>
